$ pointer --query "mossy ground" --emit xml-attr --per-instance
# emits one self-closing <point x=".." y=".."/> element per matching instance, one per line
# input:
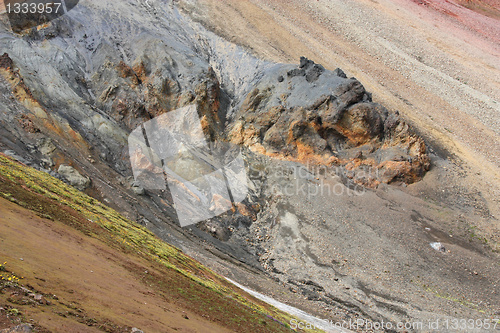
<point x="172" y="274"/>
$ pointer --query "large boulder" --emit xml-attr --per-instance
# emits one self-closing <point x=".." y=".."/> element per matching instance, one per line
<point x="310" y="114"/>
<point x="73" y="177"/>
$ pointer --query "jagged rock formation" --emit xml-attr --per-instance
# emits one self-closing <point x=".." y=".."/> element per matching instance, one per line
<point x="312" y="115"/>
<point x="74" y="89"/>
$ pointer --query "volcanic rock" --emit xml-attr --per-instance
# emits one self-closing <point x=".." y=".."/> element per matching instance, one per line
<point x="333" y="124"/>
<point x="73" y="177"/>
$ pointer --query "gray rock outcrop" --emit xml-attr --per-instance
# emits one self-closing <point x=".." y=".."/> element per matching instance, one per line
<point x="73" y="177"/>
<point x="72" y="92"/>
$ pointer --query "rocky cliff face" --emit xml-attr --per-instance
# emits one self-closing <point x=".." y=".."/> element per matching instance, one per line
<point x="103" y="87"/>
<point x="73" y="90"/>
<point x="312" y="115"/>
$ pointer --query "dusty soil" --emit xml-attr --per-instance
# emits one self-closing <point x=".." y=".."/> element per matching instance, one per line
<point x="436" y="62"/>
<point x="90" y="280"/>
<point x="61" y="272"/>
<point x="62" y="269"/>
<point x="441" y="72"/>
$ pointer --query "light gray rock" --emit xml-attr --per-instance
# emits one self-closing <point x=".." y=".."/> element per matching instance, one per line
<point x="18" y="329"/>
<point x="18" y="158"/>
<point x="73" y="177"/>
<point x="139" y="190"/>
<point x="108" y="67"/>
<point x="46" y="147"/>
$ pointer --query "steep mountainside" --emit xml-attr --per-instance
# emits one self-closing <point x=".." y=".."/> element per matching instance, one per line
<point x="350" y="214"/>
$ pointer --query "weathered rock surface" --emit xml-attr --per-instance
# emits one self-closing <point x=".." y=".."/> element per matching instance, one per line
<point x="331" y="121"/>
<point x="73" y="90"/>
<point x="73" y="177"/>
<point x="18" y="329"/>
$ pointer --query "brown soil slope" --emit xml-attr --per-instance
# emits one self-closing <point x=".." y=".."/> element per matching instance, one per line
<point x="91" y="280"/>
<point x="65" y="269"/>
